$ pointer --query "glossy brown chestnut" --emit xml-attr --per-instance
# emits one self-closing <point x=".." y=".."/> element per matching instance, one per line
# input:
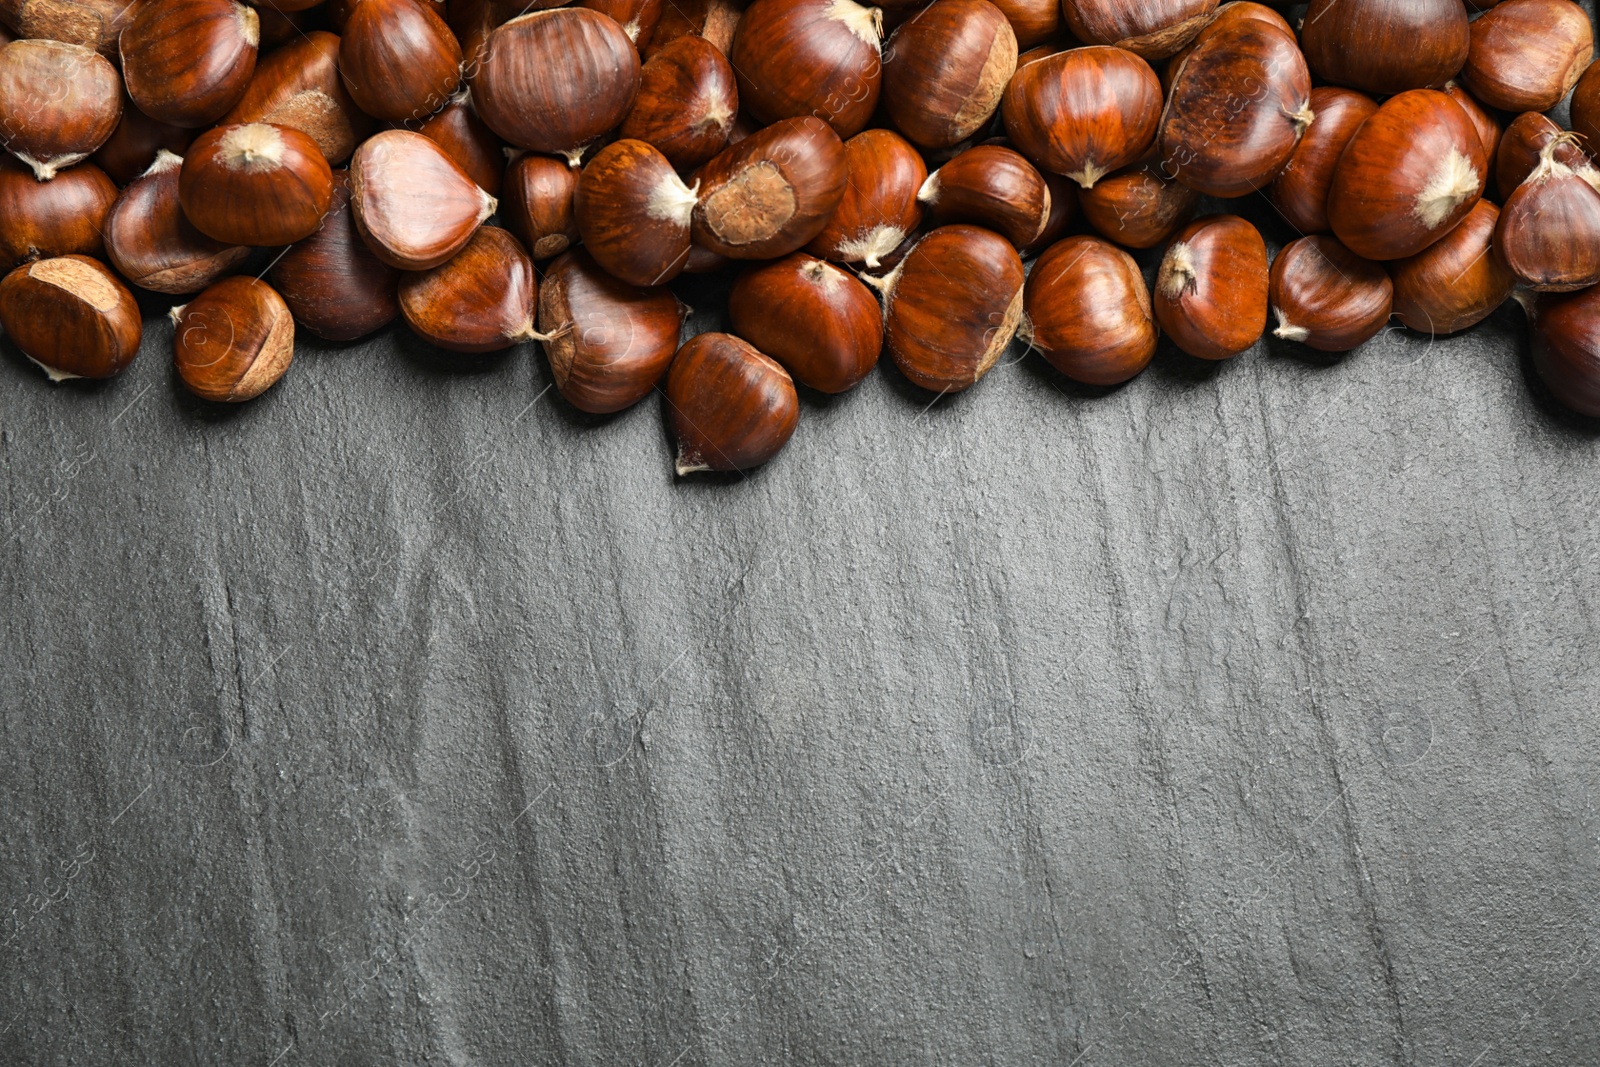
<point x="1408" y="175"/>
<point x="1085" y="112"/>
<point x="94" y="24"/>
<point x="154" y="246"/>
<point x="1035" y="22"/>
<point x="1548" y="233"/>
<point x="990" y="186"/>
<point x="71" y="316"/>
<point x="1224" y="142"/>
<point x="482" y="300"/>
<point x="399" y="60"/>
<point x="299" y="86"/>
<point x="810" y="57"/>
<point x="1211" y="289"/>
<point x="634" y="213"/>
<point x="333" y="284"/>
<point x="61" y="217"/>
<point x="1088" y="312"/>
<point x="771" y="193"/>
<point x="1454" y="282"/>
<point x="638" y="18"/>
<point x="552" y="81"/>
<point x="58" y="103"/>
<point x="465" y="139"/>
<point x="136" y="142"/>
<point x="731" y="407"/>
<point x="1063" y="210"/>
<point x="1153" y="29"/>
<point x="1526" y="55"/>
<point x="233" y="341"/>
<point x="1487" y="125"/>
<point x="538" y="203"/>
<point x="608" y="342"/>
<point x="187" y="62"/>
<point x="412" y="204"/>
<point x="879" y="209"/>
<point x="822" y="324"/>
<point x="1325" y="296"/>
<point x="1524" y="139"/>
<point x="952" y="306"/>
<point x="686" y="104"/>
<point x="1586" y="110"/>
<point x="1566" y="346"/>
<point x="1300" y="191"/>
<point x="944" y="71"/>
<point x="1138" y="207"/>
<point x="1385" y="46"/>
<point x="715" y="20"/>
<point x="256" y="184"/>
<point x="1223" y="16"/>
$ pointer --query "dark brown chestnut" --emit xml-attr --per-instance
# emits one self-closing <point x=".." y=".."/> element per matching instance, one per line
<point x="62" y="217"/>
<point x="1566" y="346"/>
<point x="1211" y="289"/>
<point x="771" y="193"/>
<point x="1524" y="139"/>
<point x="715" y="20"/>
<point x="281" y="27"/>
<point x="465" y="139"/>
<point x="58" y="103"/>
<point x="1526" y="55"/>
<point x="952" y="306"/>
<point x="608" y="342"/>
<point x="1223" y="16"/>
<point x="333" y="284"/>
<point x="634" y="213"/>
<point x="945" y="70"/>
<point x="686" y="104"/>
<point x="1487" y="125"/>
<point x="399" y="59"/>
<point x="256" y="184"/>
<point x="1385" y="46"/>
<point x="810" y="57"/>
<point x="412" y="204"/>
<point x="990" y="186"/>
<point x="1548" y="233"/>
<point x="153" y="245"/>
<point x="187" y="62"/>
<point x="1088" y="312"/>
<point x="538" y="203"/>
<point x="1327" y="297"/>
<point x="1063" y="210"/>
<point x="1153" y="29"/>
<point x="1034" y="22"/>
<point x="1585" y="110"/>
<point x="1300" y="191"/>
<point x="299" y="86"/>
<point x="136" y="142"/>
<point x="1454" y="282"/>
<point x="234" y="341"/>
<point x="731" y="407"/>
<point x="879" y="209"/>
<point x="482" y="300"/>
<point x="822" y="324"/>
<point x="1138" y="207"/>
<point x="638" y="18"/>
<point x="1085" y="112"/>
<point x="71" y="316"/>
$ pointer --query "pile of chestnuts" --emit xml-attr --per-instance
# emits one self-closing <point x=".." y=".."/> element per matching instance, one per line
<point x="872" y="179"/>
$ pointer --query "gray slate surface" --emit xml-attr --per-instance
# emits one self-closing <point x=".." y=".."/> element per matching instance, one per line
<point x="1242" y="715"/>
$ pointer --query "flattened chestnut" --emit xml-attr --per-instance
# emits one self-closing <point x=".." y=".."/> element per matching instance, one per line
<point x="233" y="341"/>
<point x="186" y="62"/>
<point x="945" y="70"/>
<point x="1085" y="112"/>
<point x="414" y="206"/>
<point x="772" y="192"/>
<point x="879" y="209"/>
<point x="731" y="407"/>
<point x="1327" y="297"/>
<point x="1300" y="191"/>
<point x="1138" y="207"/>
<point x="1548" y="233"/>
<point x="1211" y="290"/>
<point x="1526" y="55"/>
<point x="1088" y="312"/>
<point x="256" y="184"/>
<point x="61" y="217"/>
<point x="538" y="203"/>
<point x="1153" y="29"/>
<point x="334" y="286"/>
<point x="1455" y="282"/>
<point x="482" y="300"/>
<point x="822" y="324"/>
<point x="686" y="104"/>
<point x="399" y="59"/>
<point x="71" y="316"/>
<point x="58" y="103"/>
<point x="153" y="245"/>
<point x="991" y="186"/>
<point x="634" y="213"/>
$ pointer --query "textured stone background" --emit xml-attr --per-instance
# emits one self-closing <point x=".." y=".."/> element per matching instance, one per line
<point x="1243" y="715"/>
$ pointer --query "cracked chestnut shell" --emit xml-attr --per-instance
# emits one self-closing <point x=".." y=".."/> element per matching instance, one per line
<point x="1211" y="289"/>
<point x="152" y="243"/>
<point x="1153" y="29"/>
<point x="945" y="69"/>
<point x="334" y="286"/>
<point x="399" y="59"/>
<point x="990" y="186"/>
<point x="71" y="316"/>
<point x="772" y="192"/>
<point x="61" y="217"/>
<point x="879" y="208"/>
<point x="1085" y="112"/>
<point x="810" y="57"/>
<point x="1566" y="346"/>
<point x="538" y="203"/>
<point x="1385" y="46"/>
<point x="187" y="62"/>
<point x="634" y="212"/>
<point x="1088" y="312"/>
<point x="256" y="184"/>
<point x="730" y="406"/>
<point x="413" y="204"/>
<point x="822" y="324"/>
<point x="299" y="86"/>
<point x="1457" y="281"/>
<point x="58" y="103"/>
<point x="686" y="103"/>
<point x="1325" y="296"/>
<point x="233" y="341"/>
<point x="482" y="300"/>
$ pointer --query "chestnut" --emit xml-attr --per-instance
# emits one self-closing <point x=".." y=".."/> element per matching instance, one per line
<point x="822" y="324"/>
<point x="482" y="299"/>
<point x="1526" y="55"/>
<point x="281" y="27"/>
<point x="638" y="18"/>
<point x="810" y="57"/>
<point x="945" y="70"/>
<point x="771" y="193"/>
<point x="153" y="245"/>
<point x="1385" y="46"/>
<point x="1063" y="209"/>
<point x="686" y="104"/>
<point x="1211" y="289"/>
<point x="634" y="213"/>
<point x="715" y="20"/>
<point x="1085" y="112"/>
<point x="1221" y="17"/>
<point x="1327" y="297"/>
<point x="465" y="139"/>
<point x="71" y="316"/>
<point x="135" y="143"/>
<point x="412" y="204"/>
<point x="94" y="24"/>
<point x="256" y="184"/>
<point x="552" y="81"/>
<point x="1408" y="175"/>
<point x="537" y="207"/>
<point x="1138" y="207"/>
<point x="731" y="407"/>
<point x="187" y="62"/>
<point x="233" y="341"/>
<point x="1548" y="233"/>
<point x="1088" y="312"/>
<point x="1033" y="21"/>
<point x="1487" y="125"/>
<point x="608" y="342"/>
<point x="62" y="217"/>
<point x="991" y="186"/>
<point x="333" y="284"/>
<point x="58" y="103"/>
<point x="952" y="306"/>
<point x="879" y="209"/>
<point x="1566" y="346"/>
<point x="1586" y="109"/>
<point x="1300" y="191"/>
<point x="1521" y="145"/>
<point x="1454" y="282"/>
<point x="299" y="86"/>
<point x="1153" y="29"/>
<point x="1224" y="142"/>
<point x="399" y="59"/>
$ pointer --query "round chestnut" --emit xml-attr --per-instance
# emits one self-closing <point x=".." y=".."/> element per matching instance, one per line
<point x="333" y="284"/>
<point x="153" y="245"/>
<point x="1138" y="207"/>
<point x="412" y="204"/>
<point x="399" y="59"/>
<point x="1526" y="55"/>
<point x="822" y="324"/>
<point x="1300" y="191"/>
<point x="1088" y="312"/>
<point x="1566" y="346"/>
<point x="731" y="407"/>
<point x="945" y="70"/>
<point x="1211" y="289"/>
<point x="465" y="139"/>
<point x="299" y="86"/>
<point x="1085" y="112"/>
<point x="686" y="104"/>
<point x="482" y="300"/>
<point x="187" y="62"/>
<point x="991" y="186"/>
<point x="1455" y="282"/>
<point x="256" y="184"/>
<point x="1327" y="297"/>
<point x="62" y="217"/>
<point x="634" y="213"/>
<point x="233" y="341"/>
<point x="1153" y="29"/>
<point x="1525" y="138"/>
<point x="538" y="203"/>
<point x="879" y="209"/>
<point x="1548" y="233"/>
<point x="772" y="192"/>
<point x="810" y="57"/>
<point x="58" y="103"/>
<point x="71" y="316"/>
<point x="1385" y="46"/>
<point x="135" y="143"/>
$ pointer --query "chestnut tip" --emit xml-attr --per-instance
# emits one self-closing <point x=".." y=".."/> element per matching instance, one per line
<point x="1455" y="181"/>
<point x="1287" y="330"/>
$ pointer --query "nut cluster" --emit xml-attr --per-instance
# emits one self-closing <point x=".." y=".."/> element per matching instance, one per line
<point x="496" y="172"/>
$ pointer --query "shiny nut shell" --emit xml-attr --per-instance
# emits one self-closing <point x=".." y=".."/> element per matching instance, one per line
<point x="1088" y="312"/>
<point x="71" y="316"/>
<point x="61" y="217"/>
<point x="232" y="342"/>
<point x="1085" y="112"/>
<point x="58" y="103"/>
<point x="1325" y="296"/>
<point x="772" y="192"/>
<point x="822" y="324"/>
<point x="1211" y="289"/>
<point x="412" y="204"/>
<point x="152" y="243"/>
<point x="187" y="62"/>
<point x="731" y="407"/>
<point x="879" y="208"/>
<point x="482" y="300"/>
<point x="334" y="286"/>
